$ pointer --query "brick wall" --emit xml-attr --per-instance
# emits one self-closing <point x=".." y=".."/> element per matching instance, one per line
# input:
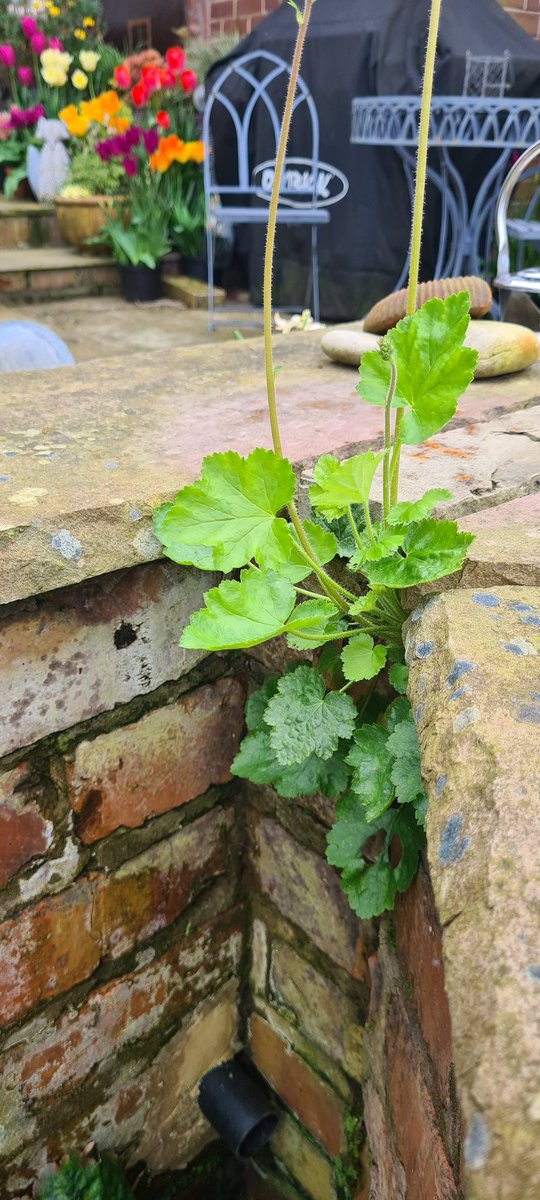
<point x="526" y="12"/>
<point x="237" y="16"/>
<point x="126" y="856"/>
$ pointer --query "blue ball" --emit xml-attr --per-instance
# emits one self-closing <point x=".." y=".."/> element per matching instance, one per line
<point x="27" y="346"/>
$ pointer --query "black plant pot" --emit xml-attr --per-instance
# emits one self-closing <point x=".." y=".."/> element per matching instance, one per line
<point x="195" y="267"/>
<point x="141" y="284"/>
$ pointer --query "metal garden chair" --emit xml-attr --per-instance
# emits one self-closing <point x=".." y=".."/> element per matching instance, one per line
<point x="261" y="79"/>
<point x="523" y="229"/>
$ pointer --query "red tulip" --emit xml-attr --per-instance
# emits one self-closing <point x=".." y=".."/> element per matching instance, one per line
<point x="163" y="119"/>
<point x="175" y="58"/>
<point x="139" y="95"/>
<point x="188" y="79"/>
<point x="122" y="78"/>
<point x="151" y="78"/>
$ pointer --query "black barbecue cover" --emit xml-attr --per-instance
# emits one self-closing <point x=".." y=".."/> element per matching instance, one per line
<point x="366" y="48"/>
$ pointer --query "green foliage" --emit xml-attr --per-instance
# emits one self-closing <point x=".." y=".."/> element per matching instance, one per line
<point x="85" y="1179"/>
<point x="96" y="177"/>
<point x="144" y="243"/>
<point x="306" y="733"/>
<point x="433" y="366"/>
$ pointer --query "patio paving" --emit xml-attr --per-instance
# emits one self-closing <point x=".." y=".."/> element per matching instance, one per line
<point x="107" y="326"/>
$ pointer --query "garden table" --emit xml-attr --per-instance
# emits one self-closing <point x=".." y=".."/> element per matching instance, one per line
<point x="473" y="123"/>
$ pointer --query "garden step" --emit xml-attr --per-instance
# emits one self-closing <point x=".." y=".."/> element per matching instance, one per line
<point x="54" y="273"/>
<point x="23" y="223"/>
<point x="191" y="292"/>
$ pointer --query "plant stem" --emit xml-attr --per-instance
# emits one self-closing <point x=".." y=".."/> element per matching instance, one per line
<point x="355" y="532"/>
<point x="388" y="438"/>
<point x="272" y="225"/>
<point x="418" y="207"/>
<point x="369" y="526"/>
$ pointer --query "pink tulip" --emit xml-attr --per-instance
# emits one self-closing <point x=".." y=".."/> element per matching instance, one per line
<point x="7" y="56"/>
<point x="28" y="26"/>
<point x="56" y="44"/>
<point x="38" y="43"/>
<point x="25" y="76"/>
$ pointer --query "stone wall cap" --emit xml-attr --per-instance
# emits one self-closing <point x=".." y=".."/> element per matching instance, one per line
<point x="87" y="452"/>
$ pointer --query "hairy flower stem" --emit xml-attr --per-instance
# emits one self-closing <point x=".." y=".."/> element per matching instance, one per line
<point x="418" y="207"/>
<point x="388" y="438"/>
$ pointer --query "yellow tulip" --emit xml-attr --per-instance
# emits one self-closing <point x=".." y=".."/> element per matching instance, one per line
<point x="89" y="22"/>
<point x="80" y="34"/>
<point x="89" y="60"/>
<point x="53" y="10"/>
<point x="79" y="80"/>
<point x="55" y="75"/>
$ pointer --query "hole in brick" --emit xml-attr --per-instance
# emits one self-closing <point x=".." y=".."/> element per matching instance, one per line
<point x="124" y="636"/>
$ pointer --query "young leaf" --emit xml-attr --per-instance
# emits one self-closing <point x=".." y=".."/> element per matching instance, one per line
<point x="399" y="677"/>
<point x="411" y="839"/>
<point x="241" y="614"/>
<point x="342" y="531"/>
<point x="432" y="550"/>
<point x="232" y="508"/>
<point x="371" y="763"/>
<point x="257" y="761"/>
<point x="305" y="720"/>
<point x="370" y="889"/>
<point x="398" y="710"/>
<point x="351" y="831"/>
<point x="339" y="485"/>
<point x="364" y="604"/>
<point x="315" y="620"/>
<point x="257" y="702"/>
<point x="416" y="510"/>
<point x="433" y="366"/>
<point x="362" y="659"/>
<point x="386" y="540"/>
<point x="403" y="746"/>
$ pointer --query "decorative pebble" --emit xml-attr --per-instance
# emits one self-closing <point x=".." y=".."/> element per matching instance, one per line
<point x="502" y="347"/>
<point x="348" y="345"/>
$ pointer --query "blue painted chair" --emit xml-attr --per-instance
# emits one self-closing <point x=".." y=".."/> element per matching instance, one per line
<point x="525" y="280"/>
<point x="261" y="79"/>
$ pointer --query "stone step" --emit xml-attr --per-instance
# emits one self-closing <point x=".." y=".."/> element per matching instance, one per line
<point x="24" y="223"/>
<point x="54" y="273"/>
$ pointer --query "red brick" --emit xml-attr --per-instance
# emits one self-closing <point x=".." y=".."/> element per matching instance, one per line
<point x="83" y="650"/>
<point x="149" y="892"/>
<point x="250" y="8"/>
<point x="387" y="1178"/>
<point x="24" y="832"/>
<point x="46" y="950"/>
<point x="158" y="763"/>
<point x="419" y="948"/>
<point x="418" y="1139"/>
<point x="262" y="1187"/>
<point x="125" y="1011"/>
<point x="308" y="892"/>
<point x="317" y="1107"/>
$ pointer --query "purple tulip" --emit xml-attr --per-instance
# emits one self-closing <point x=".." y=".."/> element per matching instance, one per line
<point x="29" y="27"/>
<point x="16" y="118"/>
<point x="151" y="140"/>
<point x="38" y="43"/>
<point x="132" y="137"/>
<point x="130" y="165"/>
<point x="34" y="114"/>
<point x="25" y="76"/>
<point x="7" y="56"/>
<point x="104" y="151"/>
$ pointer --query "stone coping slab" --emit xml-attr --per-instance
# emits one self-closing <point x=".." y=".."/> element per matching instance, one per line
<point x="474" y="660"/>
<point x="87" y="452"/>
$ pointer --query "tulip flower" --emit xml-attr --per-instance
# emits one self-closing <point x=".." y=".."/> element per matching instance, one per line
<point x="188" y="79"/>
<point x="38" y="43"/>
<point x="89" y="60"/>
<point x="79" y="80"/>
<point x="175" y="58"/>
<point x="25" y="76"/>
<point x="163" y="119"/>
<point x="7" y="57"/>
<point x="56" y="44"/>
<point x="151" y="140"/>
<point x="139" y="95"/>
<point x="28" y="27"/>
<point x="122" y="78"/>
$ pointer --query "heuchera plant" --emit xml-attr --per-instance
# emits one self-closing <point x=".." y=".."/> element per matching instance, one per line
<point x="306" y="730"/>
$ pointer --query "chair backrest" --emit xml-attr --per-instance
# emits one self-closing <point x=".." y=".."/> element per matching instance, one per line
<point x="139" y="31"/>
<point x="517" y="172"/>
<point x="243" y="109"/>
<point x="486" y="74"/>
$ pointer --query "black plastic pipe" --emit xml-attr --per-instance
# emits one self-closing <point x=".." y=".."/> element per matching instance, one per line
<point x="234" y="1099"/>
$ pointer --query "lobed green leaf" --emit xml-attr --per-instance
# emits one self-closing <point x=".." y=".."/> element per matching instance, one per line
<point x="431" y="550"/>
<point x="340" y="485"/>
<point x="239" y="614"/>
<point x="305" y="719"/>
<point x="362" y="659"/>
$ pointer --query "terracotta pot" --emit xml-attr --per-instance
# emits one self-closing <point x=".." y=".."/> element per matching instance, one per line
<point x="83" y="217"/>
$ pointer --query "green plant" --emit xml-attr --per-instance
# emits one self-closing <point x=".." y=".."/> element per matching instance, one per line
<point x="144" y="243"/>
<point x="320" y="726"/>
<point x="187" y="214"/>
<point x="94" y="177"/>
<point x="84" y="1178"/>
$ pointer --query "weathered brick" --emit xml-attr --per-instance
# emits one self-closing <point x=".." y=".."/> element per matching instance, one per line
<point x="158" y="763"/>
<point x="317" y="1107"/>
<point x="83" y="650"/>
<point x="322" y="1012"/>
<point x="418" y="1139"/>
<point x="300" y="1158"/>
<point x="24" y="832"/>
<point x="307" y="891"/>
<point x="387" y="1177"/>
<point x="46" y="950"/>
<point x="150" y="891"/>
<point x="261" y="1186"/>
<point x="56" y="1059"/>
<point x="419" y="949"/>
